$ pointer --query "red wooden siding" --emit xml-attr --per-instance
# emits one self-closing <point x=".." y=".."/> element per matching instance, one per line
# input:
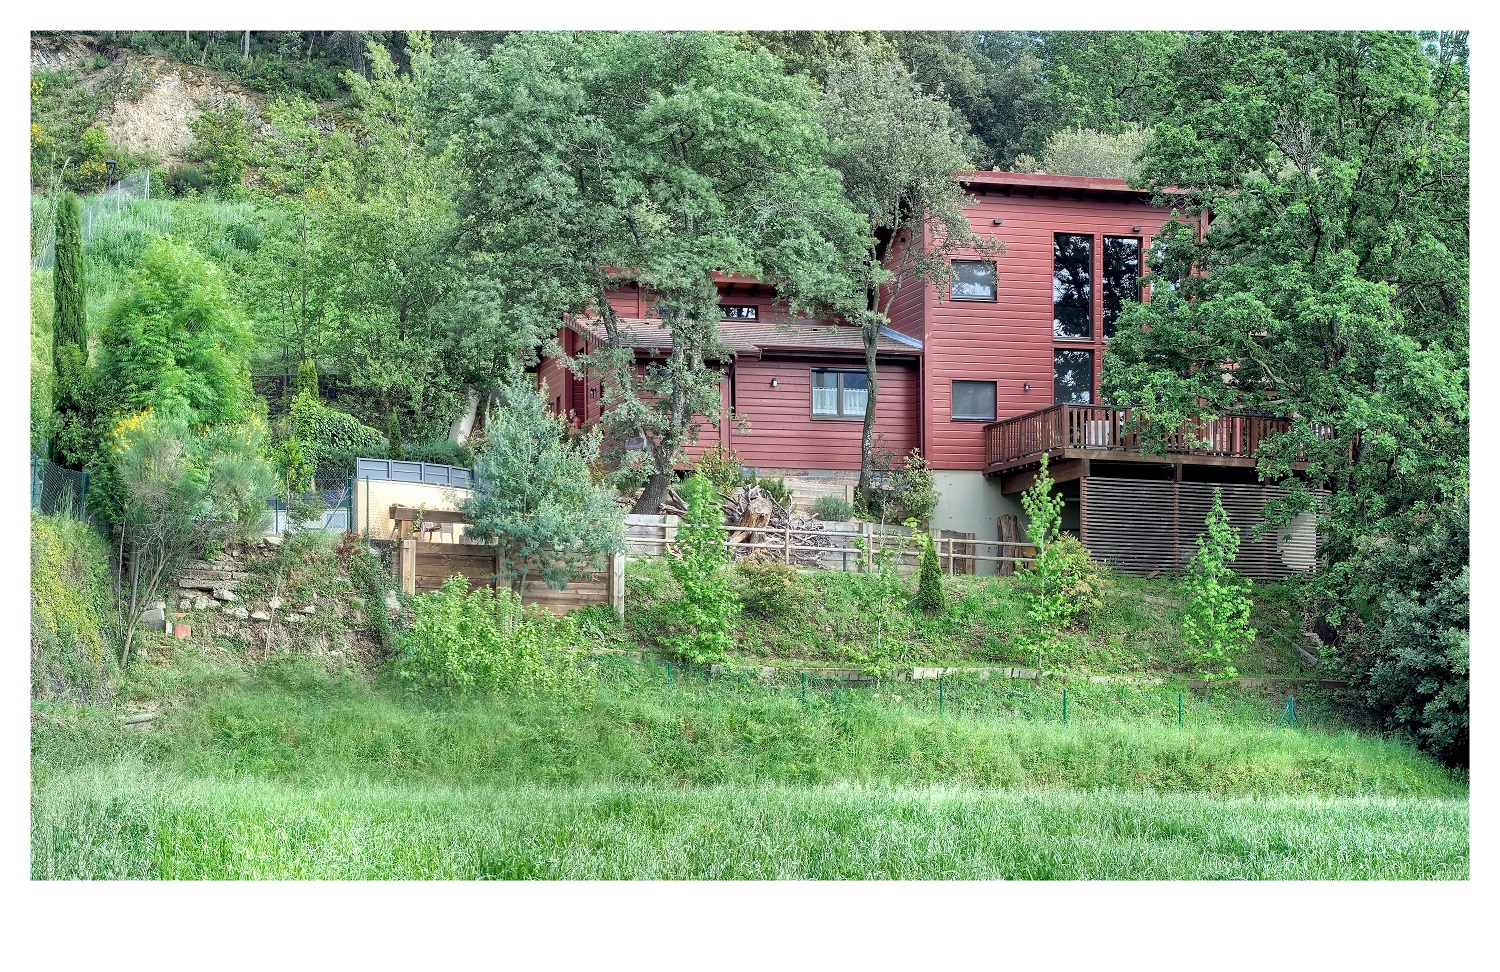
<point x="783" y="433"/>
<point x="1010" y="341"/>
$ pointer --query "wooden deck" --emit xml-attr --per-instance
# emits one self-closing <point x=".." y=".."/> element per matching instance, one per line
<point x="1100" y="432"/>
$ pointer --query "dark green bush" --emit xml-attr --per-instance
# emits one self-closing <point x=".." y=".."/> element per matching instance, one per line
<point x="331" y="437"/>
<point x="769" y="589"/>
<point x="442" y="451"/>
<point x="246" y="236"/>
<point x="832" y="509"/>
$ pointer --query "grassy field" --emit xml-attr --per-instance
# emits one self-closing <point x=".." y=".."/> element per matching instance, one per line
<point x="126" y="822"/>
<point x="290" y="772"/>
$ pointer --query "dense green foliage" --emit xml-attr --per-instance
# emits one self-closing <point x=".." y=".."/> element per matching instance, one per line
<point x="1216" y="623"/>
<point x="332" y="440"/>
<point x="618" y="144"/>
<point x="486" y="641"/>
<point x="705" y="614"/>
<point x="1048" y="607"/>
<point x="1334" y="291"/>
<point x="834" y="509"/>
<point x="72" y="617"/>
<point x="175" y="341"/>
<point x="534" y="497"/>
<point x="70" y="338"/>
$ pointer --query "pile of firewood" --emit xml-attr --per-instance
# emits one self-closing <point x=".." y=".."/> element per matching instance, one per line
<point x="750" y="507"/>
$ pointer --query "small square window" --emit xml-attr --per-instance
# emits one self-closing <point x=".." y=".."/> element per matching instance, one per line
<point x="973" y="401"/>
<point x="973" y="280"/>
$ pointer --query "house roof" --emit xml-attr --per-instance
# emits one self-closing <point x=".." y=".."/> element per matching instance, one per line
<point x="1048" y="185"/>
<point x="755" y="338"/>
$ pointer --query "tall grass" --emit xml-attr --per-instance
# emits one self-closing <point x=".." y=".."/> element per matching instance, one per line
<point x="126" y="822"/>
<point x="303" y="727"/>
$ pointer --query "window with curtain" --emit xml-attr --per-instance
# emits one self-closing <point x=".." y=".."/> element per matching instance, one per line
<point x="839" y="394"/>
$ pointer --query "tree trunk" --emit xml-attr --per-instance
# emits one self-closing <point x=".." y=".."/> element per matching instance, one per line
<point x="245" y="51"/>
<point x="655" y="493"/>
<point x="871" y="334"/>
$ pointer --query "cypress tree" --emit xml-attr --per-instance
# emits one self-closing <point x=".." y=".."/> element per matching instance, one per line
<point x="68" y="324"/>
<point x="930" y="578"/>
<point x="393" y="432"/>
<point x="307" y="379"/>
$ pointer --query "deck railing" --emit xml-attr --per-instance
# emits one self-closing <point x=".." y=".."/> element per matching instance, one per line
<point x="1235" y="435"/>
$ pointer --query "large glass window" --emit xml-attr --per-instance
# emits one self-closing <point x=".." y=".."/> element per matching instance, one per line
<point x="1072" y="376"/>
<point x="974" y="401"/>
<point x="1072" y="286"/>
<point x="839" y="394"/>
<point x="973" y="280"/>
<point x="740" y="312"/>
<point x="1122" y="277"/>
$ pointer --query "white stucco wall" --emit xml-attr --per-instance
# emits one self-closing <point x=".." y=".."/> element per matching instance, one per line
<point x="970" y="502"/>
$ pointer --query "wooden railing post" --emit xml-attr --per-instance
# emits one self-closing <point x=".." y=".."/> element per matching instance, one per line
<point x="617" y="584"/>
<point x="409" y="566"/>
<point x="788" y="545"/>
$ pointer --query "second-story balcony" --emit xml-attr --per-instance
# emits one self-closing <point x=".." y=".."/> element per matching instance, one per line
<point x="1102" y="432"/>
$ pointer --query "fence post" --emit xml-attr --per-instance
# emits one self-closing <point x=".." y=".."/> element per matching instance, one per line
<point x="788" y="539"/>
<point x="869" y="532"/>
<point x="952" y="559"/>
<point x="409" y="566"/>
<point x="367" y="506"/>
<point x="617" y="584"/>
<point x="83" y="492"/>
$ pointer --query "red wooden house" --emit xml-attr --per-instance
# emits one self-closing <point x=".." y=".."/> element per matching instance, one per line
<point x="984" y="377"/>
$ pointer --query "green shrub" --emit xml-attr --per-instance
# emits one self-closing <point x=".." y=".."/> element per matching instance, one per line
<point x="393" y="438"/>
<point x="930" y="578"/>
<point x="1216" y="617"/>
<point x="487" y="641"/>
<point x="332" y="439"/>
<point x="442" y="451"/>
<point x="832" y="508"/>
<point x="246" y="236"/>
<point x="769" y="589"/>
<point x="708" y="610"/>
<point x="719" y="467"/>
<point x="71" y="654"/>
<point x="777" y="489"/>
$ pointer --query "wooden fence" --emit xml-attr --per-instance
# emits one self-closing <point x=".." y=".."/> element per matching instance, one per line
<point x="837" y="546"/>
<point x="426" y="565"/>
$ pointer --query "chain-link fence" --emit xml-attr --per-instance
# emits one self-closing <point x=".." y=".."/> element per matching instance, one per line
<point x="56" y="491"/>
<point x="328" y="506"/>
<point x="135" y="186"/>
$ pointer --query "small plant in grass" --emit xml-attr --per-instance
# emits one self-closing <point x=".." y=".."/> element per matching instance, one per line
<point x="930" y="578"/>
<point x="832" y="509"/>
<point x="769" y="589"/>
<point x="708" y="610"/>
<point x="1216" y="615"/>
<point x="486" y="641"/>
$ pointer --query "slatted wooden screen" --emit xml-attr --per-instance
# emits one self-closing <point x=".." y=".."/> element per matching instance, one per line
<point x="427" y="566"/>
<point x="1139" y="526"/>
